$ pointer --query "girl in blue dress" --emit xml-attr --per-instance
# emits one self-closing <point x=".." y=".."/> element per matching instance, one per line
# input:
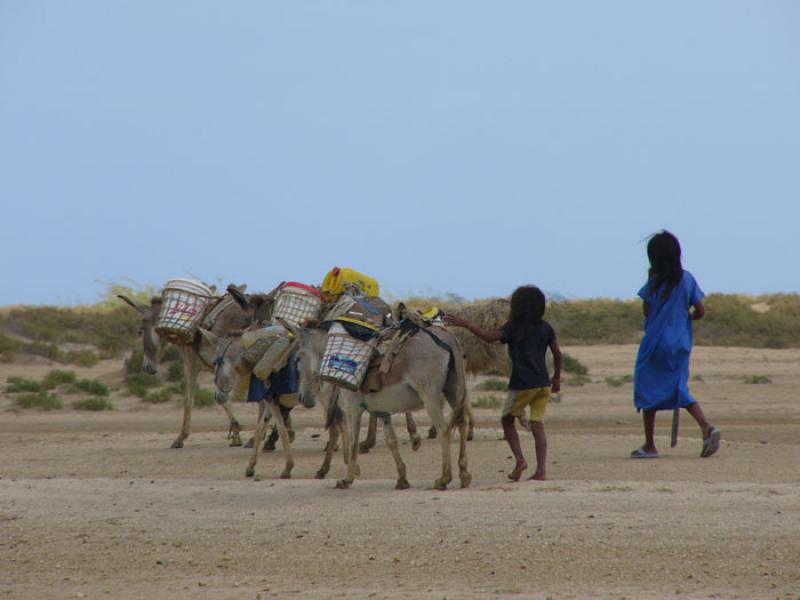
<point x="672" y="300"/>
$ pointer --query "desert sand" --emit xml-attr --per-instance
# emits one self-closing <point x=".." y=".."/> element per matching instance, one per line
<point x="96" y="505"/>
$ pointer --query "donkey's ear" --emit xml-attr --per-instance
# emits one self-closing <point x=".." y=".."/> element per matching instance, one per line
<point x="140" y="308"/>
<point x="239" y="296"/>
<point x="208" y="337"/>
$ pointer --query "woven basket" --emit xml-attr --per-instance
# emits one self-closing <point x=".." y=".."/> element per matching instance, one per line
<point x="297" y="303"/>
<point x="184" y="302"/>
<point x="346" y="359"/>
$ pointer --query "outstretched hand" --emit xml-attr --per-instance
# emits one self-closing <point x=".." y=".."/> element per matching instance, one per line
<point x="453" y="320"/>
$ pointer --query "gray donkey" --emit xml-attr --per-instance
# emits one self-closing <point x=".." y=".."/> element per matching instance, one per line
<point x="424" y="374"/>
<point x="228" y="316"/>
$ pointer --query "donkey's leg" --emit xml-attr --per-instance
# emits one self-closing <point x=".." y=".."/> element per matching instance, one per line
<point x="391" y="442"/>
<point x="260" y="432"/>
<point x="369" y="442"/>
<point x="416" y="441"/>
<point x="471" y="417"/>
<point x="354" y="422"/>
<point x="190" y="368"/>
<point x="275" y="408"/>
<point x="330" y="447"/>
<point x="261" y="408"/>
<point x="434" y="403"/>
<point x="463" y="473"/>
<point x="235" y="429"/>
<point x="288" y="420"/>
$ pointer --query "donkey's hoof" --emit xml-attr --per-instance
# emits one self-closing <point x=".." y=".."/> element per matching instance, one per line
<point x="249" y="443"/>
<point x="177" y="443"/>
<point x="286" y="475"/>
<point x="236" y="440"/>
<point x="440" y="484"/>
<point x="343" y="484"/>
<point x="432" y="433"/>
<point x="320" y="474"/>
<point x="363" y="447"/>
<point x="402" y="484"/>
<point x="466" y="479"/>
<point x="416" y="442"/>
<point x="250" y="472"/>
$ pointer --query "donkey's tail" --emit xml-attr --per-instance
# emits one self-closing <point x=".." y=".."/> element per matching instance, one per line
<point x="335" y="414"/>
<point x="456" y="386"/>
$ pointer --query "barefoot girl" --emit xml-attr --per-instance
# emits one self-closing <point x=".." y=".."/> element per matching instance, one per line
<point x="661" y="379"/>
<point x="528" y="337"/>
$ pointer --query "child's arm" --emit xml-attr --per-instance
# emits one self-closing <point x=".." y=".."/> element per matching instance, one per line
<point x="555" y="381"/>
<point x="699" y="311"/>
<point x="487" y="335"/>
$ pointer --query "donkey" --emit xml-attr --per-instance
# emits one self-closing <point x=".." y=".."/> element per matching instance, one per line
<point x="424" y="374"/>
<point x="226" y="380"/>
<point x="199" y="355"/>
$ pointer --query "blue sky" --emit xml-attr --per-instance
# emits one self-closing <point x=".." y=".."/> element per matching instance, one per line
<point x="463" y="147"/>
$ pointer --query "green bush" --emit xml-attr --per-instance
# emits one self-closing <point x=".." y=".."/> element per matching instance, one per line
<point x="487" y="402"/>
<point x="203" y="398"/>
<point x="175" y="371"/>
<point x="8" y="347"/>
<point x="18" y="384"/>
<point x="570" y="364"/>
<point x="57" y="377"/>
<point x="82" y="358"/>
<point x="139" y="383"/>
<point x="492" y="385"/>
<point x="92" y="386"/>
<point x="171" y="355"/>
<point x="133" y="364"/>
<point x="757" y="379"/>
<point x="109" y="330"/>
<point x="577" y="381"/>
<point x="93" y="404"/>
<point x="159" y="396"/>
<point x="39" y="400"/>
<point x="619" y="381"/>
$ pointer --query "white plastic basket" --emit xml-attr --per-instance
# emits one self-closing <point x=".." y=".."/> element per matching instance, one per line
<point x="184" y="302"/>
<point x="297" y="303"/>
<point x="346" y="359"/>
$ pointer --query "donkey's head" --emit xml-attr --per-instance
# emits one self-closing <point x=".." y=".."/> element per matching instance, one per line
<point x="152" y="345"/>
<point x="310" y="347"/>
<point x="222" y="353"/>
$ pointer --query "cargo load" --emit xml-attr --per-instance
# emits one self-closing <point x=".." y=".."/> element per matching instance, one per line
<point x="346" y="359"/>
<point x="367" y="311"/>
<point x="297" y="303"/>
<point x="340" y="280"/>
<point x="184" y="303"/>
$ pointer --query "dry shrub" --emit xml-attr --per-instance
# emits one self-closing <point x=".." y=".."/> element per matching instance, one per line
<point x="483" y="357"/>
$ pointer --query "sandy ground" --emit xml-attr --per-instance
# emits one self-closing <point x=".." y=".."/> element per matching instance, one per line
<point x="96" y="505"/>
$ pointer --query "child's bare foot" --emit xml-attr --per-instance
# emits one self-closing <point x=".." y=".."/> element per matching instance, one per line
<point x="538" y="476"/>
<point x="517" y="472"/>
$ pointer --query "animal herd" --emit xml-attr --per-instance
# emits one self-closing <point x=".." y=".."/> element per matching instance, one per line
<point x="424" y="375"/>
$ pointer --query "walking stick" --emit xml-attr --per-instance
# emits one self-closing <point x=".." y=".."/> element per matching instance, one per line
<point x="676" y="419"/>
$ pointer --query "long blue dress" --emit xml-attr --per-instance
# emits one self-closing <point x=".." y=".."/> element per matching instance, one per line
<point x="661" y="378"/>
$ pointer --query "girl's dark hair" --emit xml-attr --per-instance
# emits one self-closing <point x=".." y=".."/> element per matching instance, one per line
<point x="527" y="309"/>
<point x="664" y="252"/>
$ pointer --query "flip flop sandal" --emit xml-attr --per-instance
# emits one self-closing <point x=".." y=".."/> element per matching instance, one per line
<point x="711" y="443"/>
<point x="642" y="453"/>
